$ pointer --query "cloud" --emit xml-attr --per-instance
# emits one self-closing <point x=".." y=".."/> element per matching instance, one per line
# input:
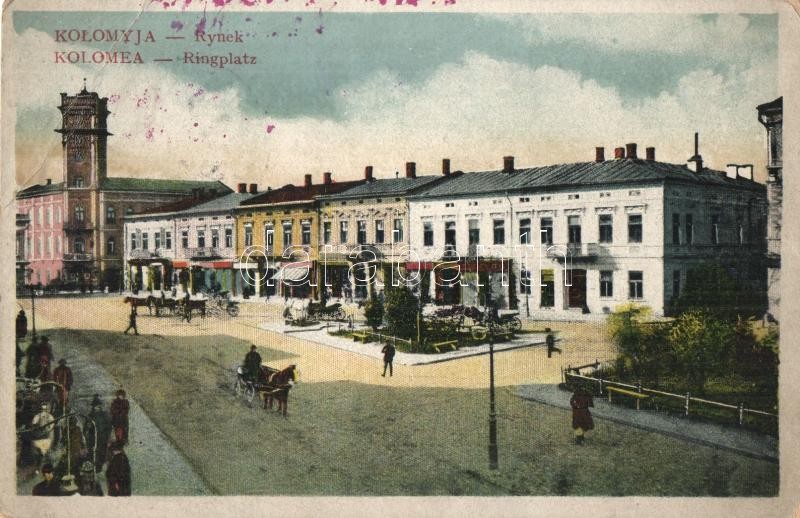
<point x="474" y="111"/>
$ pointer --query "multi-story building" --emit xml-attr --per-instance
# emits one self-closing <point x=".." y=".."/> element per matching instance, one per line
<point x="277" y="238"/>
<point x="585" y="237"/>
<point x="368" y="224"/>
<point x="771" y="116"/>
<point x="75" y="233"/>
<point x="23" y="220"/>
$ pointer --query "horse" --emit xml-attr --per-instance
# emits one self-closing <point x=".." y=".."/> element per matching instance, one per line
<point x="136" y="302"/>
<point x="276" y="386"/>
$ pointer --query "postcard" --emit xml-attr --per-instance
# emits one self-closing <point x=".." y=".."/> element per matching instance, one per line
<point x="375" y="257"/>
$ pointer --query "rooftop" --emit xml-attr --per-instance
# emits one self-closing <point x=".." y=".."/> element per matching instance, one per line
<point x="39" y="190"/>
<point x="299" y="193"/>
<point x="389" y="187"/>
<point x="161" y="185"/>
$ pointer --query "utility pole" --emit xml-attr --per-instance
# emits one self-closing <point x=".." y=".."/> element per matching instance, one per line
<point x="492" y="412"/>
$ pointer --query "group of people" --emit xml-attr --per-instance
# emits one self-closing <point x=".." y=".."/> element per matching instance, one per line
<point x="68" y="447"/>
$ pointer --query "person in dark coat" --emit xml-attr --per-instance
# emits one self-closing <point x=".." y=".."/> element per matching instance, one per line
<point x="48" y="486"/>
<point x="582" y="421"/>
<point x="550" y="340"/>
<point x="98" y="433"/>
<point x="119" y="417"/>
<point x="132" y="322"/>
<point x="187" y="308"/>
<point x="87" y="484"/>
<point x="118" y="472"/>
<point x="22" y="325"/>
<point x="252" y="363"/>
<point x="63" y="376"/>
<point x="388" y="357"/>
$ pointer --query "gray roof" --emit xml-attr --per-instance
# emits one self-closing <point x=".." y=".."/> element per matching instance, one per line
<point x="386" y="187"/>
<point x="112" y="183"/>
<point x="599" y="174"/>
<point x="40" y="190"/>
<point x="222" y="204"/>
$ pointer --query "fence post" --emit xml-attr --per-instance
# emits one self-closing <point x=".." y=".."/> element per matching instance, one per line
<point x="686" y="405"/>
<point x="741" y="414"/>
<point x="639" y="386"/>
<point x="601" y="386"/>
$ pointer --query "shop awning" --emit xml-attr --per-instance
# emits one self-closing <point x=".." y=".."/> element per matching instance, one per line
<point x="216" y="265"/>
<point x="419" y="265"/>
<point x="294" y="274"/>
<point x="180" y="264"/>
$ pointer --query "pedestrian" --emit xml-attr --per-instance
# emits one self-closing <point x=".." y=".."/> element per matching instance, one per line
<point x="87" y="484"/>
<point x="22" y="325"/>
<point x="98" y="432"/>
<point x="187" y="308"/>
<point x="582" y="421"/>
<point x="48" y="486"/>
<point x="77" y="446"/>
<point x="388" y="356"/>
<point x="63" y="376"/>
<point x="132" y="322"/>
<point x="550" y="340"/>
<point x="42" y="432"/>
<point x="118" y="472"/>
<point x="252" y="364"/>
<point x="32" y="359"/>
<point x="119" y="417"/>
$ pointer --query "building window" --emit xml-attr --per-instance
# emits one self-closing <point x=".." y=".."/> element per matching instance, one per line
<point x="326" y="232"/>
<point x="58" y="244"/>
<point x="547" y="289"/>
<point x="525" y="281"/>
<point x="305" y="233"/>
<point x="49" y="246"/>
<point x="228" y="237"/>
<point x="379" y="233"/>
<point x="635" y="285"/>
<point x="49" y="216"/>
<point x="427" y="233"/>
<point x="606" y="228"/>
<point x="574" y="229"/>
<point x="215" y="238"/>
<point x="361" y="232"/>
<point x="111" y="245"/>
<point x="78" y="181"/>
<point x="168" y="240"/>
<point x="133" y="241"/>
<point x="201" y="238"/>
<point x="78" y="246"/>
<point x="398" y="230"/>
<point x="269" y="235"/>
<point x="449" y="233"/>
<point x="634" y="228"/>
<point x="343" y="232"/>
<point x="128" y="211"/>
<point x="525" y="231"/>
<point x="80" y="214"/>
<point x="145" y="244"/>
<point x="499" y="227"/>
<point x="474" y="232"/>
<point x="287" y="234"/>
<point x="606" y="284"/>
<point x="715" y="229"/>
<point x="111" y="215"/>
<point x="185" y="238"/>
<point x="248" y="236"/>
<point x="157" y="239"/>
<point x="689" y="230"/>
<point x="676" y="229"/>
<point x="546" y="230"/>
<point x="676" y="283"/>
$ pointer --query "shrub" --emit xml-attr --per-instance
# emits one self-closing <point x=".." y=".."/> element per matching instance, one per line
<point x="373" y="311"/>
<point x="703" y="345"/>
<point x="401" y="312"/>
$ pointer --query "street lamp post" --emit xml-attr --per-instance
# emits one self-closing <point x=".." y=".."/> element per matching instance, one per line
<point x="492" y="413"/>
<point x="33" y="312"/>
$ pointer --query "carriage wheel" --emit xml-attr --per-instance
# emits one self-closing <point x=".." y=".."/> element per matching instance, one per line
<point x="249" y="393"/>
<point x="233" y="311"/>
<point x="238" y="387"/>
<point x="339" y="314"/>
<point x="515" y="324"/>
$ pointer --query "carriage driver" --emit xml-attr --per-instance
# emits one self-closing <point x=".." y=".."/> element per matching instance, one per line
<point x="252" y="364"/>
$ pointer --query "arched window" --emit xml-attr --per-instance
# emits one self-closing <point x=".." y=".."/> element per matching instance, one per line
<point x="79" y="246"/>
<point x="79" y="181"/>
<point x="128" y="211"/>
<point x="111" y="215"/>
<point x="80" y="214"/>
<point x="111" y="245"/>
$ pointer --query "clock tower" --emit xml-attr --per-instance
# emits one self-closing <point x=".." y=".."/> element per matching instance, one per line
<point x="83" y="138"/>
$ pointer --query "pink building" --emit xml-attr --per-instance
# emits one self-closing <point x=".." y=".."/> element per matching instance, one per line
<point x="43" y="240"/>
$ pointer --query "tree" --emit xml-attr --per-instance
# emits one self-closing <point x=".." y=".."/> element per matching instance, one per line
<point x="638" y="344"/>
<point x="373" y="311"/>
<point x="702" y="344"/>
<point x="401" y="311"/>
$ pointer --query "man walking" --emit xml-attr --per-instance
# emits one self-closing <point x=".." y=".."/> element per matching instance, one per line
<point x="187" y="309"/>
<point x="118" y="473"/>
<point x="119" y="417"/>
<point x="388" y="356"/>
<point x="581" y="417"/>
<point x="63" y="376"/>
<point x="98" y="433"/>
<point x="132" y="322"/>
<point x="550" y="340"/>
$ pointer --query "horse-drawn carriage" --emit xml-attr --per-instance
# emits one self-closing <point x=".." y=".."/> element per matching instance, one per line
<point x="269" y="383"/>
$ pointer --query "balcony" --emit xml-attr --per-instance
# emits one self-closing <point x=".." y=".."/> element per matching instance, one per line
<point x="78" y="226"/>
<point x="203" y="252"/>
<point x="574" y="251"/>
<point x="78" y="257"/>
<point x="143" y="254"/>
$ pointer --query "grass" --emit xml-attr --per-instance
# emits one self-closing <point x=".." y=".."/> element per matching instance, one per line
<point x="347" y="438"/>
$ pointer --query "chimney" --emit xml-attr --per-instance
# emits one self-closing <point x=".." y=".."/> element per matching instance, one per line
<point x="696" y="162"/>
<point x="745" y="171"/>
<point x="619" y="152"/>
<point x="368" y="173"/>
<point x="253" y="188"/>
<point x="241" y="188"/>
<point x="308" y="181"/>
<point x="732" y="171"/>
<point x="599" y="154"/>
<point x="445" y="167"/>
<point x="326" y="178"/>
<point x="411" y="169"/>
<point x="508" y="164"/>
<point x="650" y="154"/>
<point x="630" y="151"/>
<point x="49" y="181"/>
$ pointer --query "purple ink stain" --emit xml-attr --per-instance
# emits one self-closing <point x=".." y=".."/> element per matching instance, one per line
<point x="274" y="34"/>
<point x="200" y="28"/>
<point x="221" y="3"/>
<point x="248" y="3"/>
<point x="270" y="127"/>
<point x="177" y="25"/>
<point x="196" y="124"/>
<point x="148" y="134"/>
<point x="199" y="92"/>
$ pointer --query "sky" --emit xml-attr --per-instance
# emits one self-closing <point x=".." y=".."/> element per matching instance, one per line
<point x="339" y="91"/>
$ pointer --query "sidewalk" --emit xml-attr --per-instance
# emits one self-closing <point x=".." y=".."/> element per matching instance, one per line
<point x="320" y="336"/>
<point x="157" y="468"/>
<point x="738" y="440"/>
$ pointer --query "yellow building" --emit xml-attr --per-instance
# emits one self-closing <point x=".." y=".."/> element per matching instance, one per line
<point x="277" y="238"/>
